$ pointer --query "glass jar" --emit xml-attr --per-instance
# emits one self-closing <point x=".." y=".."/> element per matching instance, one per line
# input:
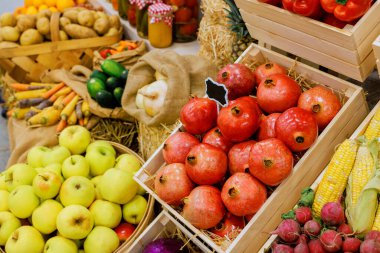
<point x="115" y="4"/>
<point x="186" y="22"/>
<point x="142" y="22"/>
<point x="123" y="8"/>
<point x="132" y="14"/>
<point x="160" y="32"/>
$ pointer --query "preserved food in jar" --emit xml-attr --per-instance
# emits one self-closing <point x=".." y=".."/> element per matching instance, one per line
<point x="160" y="25"/>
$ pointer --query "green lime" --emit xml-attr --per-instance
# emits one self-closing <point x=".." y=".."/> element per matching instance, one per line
<point x="94" y="85"/>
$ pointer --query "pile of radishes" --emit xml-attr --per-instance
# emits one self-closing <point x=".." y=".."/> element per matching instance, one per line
<point x="303" y="234"/>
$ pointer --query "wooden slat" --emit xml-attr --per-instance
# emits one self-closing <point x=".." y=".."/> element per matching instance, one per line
<point x="365" y="47"/>
<point x="376" y="47"/>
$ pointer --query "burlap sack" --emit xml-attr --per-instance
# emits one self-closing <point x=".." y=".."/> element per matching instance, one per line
<point x="186" y="76"/>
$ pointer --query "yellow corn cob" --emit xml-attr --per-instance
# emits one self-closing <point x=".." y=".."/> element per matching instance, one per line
<point x="376" y="223"/>
<point x="335" y="178"/>
<point x="373" y="129"/>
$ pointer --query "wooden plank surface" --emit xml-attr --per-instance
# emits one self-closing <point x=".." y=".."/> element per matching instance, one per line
<point x="376" y="48"/>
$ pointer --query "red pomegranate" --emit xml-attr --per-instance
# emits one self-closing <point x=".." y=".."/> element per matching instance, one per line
<point x="177" y="146"/>
<point x="322" y="103"/>
<point x="253" y="102"/>
<point x="238" y="79"/>
<point x="265" y="70"/>
<point x="206" y="164"/>
<point x="229" y="223"/>
<point x="267" y="127"/>
<point x="278" y="93"/>
<point x="297" y="128"/>
<point x="204" y="208"/>
<point x="238" y="157"/>
<point x="270" y="161"/>
<point x="243" y="195"/>
<point x="172" y="183"/>
<point x="215" y="138"/>
<point x="199" y="115"/>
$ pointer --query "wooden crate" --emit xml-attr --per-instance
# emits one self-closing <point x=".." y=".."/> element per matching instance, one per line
<point x="346" y="51"/>
<point x="304" y="173"/>
<point x="376" y="50"/>
<point x="358" y="132"/>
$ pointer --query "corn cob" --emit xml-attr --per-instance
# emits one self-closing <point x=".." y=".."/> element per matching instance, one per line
<point x="335" y="178"/>
<point x="373" y="129"/>
<point x="376" y="223"/>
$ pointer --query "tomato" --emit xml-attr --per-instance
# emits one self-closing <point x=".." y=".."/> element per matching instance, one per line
<point x="215" y="138"/>
<point x="183" y="14"/>
<point x="191" y="3"/>
<point x="265" y="70"/>
<point x="267" y="126"/>
<point x="238" y="157"/>
<point x="124" y="231"/>
<point x="229" y="223"/>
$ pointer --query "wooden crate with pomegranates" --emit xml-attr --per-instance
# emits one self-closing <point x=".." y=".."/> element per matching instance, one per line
<point x="307" y="169"/>
<point x="346" y="51"/>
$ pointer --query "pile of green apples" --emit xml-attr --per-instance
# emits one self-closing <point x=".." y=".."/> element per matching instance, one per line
<point x="69" y="198"/>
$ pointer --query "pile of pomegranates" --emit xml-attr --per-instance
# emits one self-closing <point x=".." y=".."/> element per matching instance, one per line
<point x="219" y="169"/>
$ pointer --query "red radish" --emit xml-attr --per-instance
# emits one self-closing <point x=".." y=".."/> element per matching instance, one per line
<point x="267" y="127"/>
<point x="253" y="102"/>
<point x="278" y="93"/>
<point x="303" y="214"/>
<point x="332" y="214"/>
<point x="322" y="102"/>
<point x="297" y="128"/>
<point x="172" y="183"/>
<point x="344" y="228"/>
<point x="238" y="79"/>
<point x="312" y="228"/>
<point x="373" y="234"/>
<point x="242" y="194"/>
<point x="302" y="245"/>
<point x="270" y="161"/>
<point x="331" y="240"/>
<point x="238" y="157"/>
<point x="238" y="121"/>
<point x="289" y="230"/>
<point x="177" y="146"/>
<point x="215" y="138"/>
<point x="281" y="248"/>
<point x="265" y="70"/>
<point x="315" y="246"/>
<point x="204" y="208"/>
<point x="229" y="223"/>
<point x="206" y="164"/>
<point x="351" y="244"/>
<point x="199" y="115"/>
<point x="370" y="246"/>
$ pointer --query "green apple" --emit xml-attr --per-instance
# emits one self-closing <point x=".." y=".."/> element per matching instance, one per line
<point x="96" y="181"/>
<point x="19" y="174"/>
<point x="25" y="239"/>
<point x="141" y="190"/>
<point x="3" y="184"/>
<point x="60" y="244"/>
<point x="44" y="217"/>
<point x="77" y="190"/>
<point x="8" y="224"/>
<point x="100" y="159"/>
<point x="101" y="143"/>
<point x="22" y="201"/>
<point x="106" y="213"/>
<point x="4" y="196"/>
<point x="128" y="162"/>
<point x="102" y="240"/>
<point x="56" y="155"/>
<point x="54" y="167"/>
<point x="118" y="186"/>
<point x="134" y="210"/>
<point x="75" y="165"/>
<point x="46" y="184"/>
<point x="75" y="222"/>
<point x="76" y="138"/>
<point x="35" y="156"/>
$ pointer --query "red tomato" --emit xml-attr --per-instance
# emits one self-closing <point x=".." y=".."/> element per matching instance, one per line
<point x="238" y="157"/>
<point x="177" y="3"/>
<point x="267" y="126"/>
<point x="189" y="29"/>
<point x="191" y="3"/>
<point x="278" y="93"/>
<point x="265" y="70"/>
<point x="297" y="128"/>
<point x="332" y="20"/>
<point x="124" y="231"/>
<point x="229" y="223"/>
<point x="215" y="138"/>
<point x="182" y="15"/>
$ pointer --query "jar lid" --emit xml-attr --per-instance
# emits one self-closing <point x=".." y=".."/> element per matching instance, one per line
<point x="142" y="3"/>
<point x="161" y="12"/>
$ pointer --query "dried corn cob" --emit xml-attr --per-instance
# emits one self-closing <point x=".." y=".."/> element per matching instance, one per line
<point x="373" y="129"/>
<point x="335" y="178"/>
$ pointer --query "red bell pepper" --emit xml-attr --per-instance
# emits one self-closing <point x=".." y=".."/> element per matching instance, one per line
<point x="105" y="53"/>
<point x="272" y="2"/>
<point x="332" y="20"/>
<point x="346" y="10"/>
<point x="308" y="8"/>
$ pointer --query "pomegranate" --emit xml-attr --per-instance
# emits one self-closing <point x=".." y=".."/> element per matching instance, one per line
<point x="242" y="194"/>
<point x="206" y="164"/>
<point x="267" y="127"/>
<point x="278" y="93"/>
<point x="238" y="79"/>
<point x="215" y="138"/>
<point x="229" y="223"/>
<point x="177" y="146"/>
<point x="322" y="103"/>
<point x="238" y="157"/>
<point x="204" y="208"/>
<point x="199" y="115"/>
<point x="253" y="102"/>
<point x="172" y="183"/>
<point x="238" y="121"/>
<point x="331" y="240"/>
<point x="288" y="230"/>
<point x="265" y="70"/>
<point x="332" y="214"/>
<point x="297" y="128"/>
<point x="312" y="228"/>
<point x="270" y="161"/>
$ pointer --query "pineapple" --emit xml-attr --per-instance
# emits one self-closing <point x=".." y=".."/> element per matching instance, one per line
<point x="237" y="25"/>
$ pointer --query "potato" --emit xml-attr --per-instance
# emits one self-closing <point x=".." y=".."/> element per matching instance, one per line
<point x="79" y="32"/>
<point x="112" y="32"/>
<point x="9" y="33"/>
<point x="114" y="21"/>
<point x="25" y="22"/>
<point x="47" y="37"/>
<point x="30" y="37"/>
<point x="63" y="22"/>
<point x="43" y="25"/>
<point x="86" y="18"/>
<point x="102" y="25"/>
<point x="63" y="35"/>
<point x="72" y="15"/>
<point x="7" y="19"/>
<point x="44" y="13"/>
<point x="100" y="14"/>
